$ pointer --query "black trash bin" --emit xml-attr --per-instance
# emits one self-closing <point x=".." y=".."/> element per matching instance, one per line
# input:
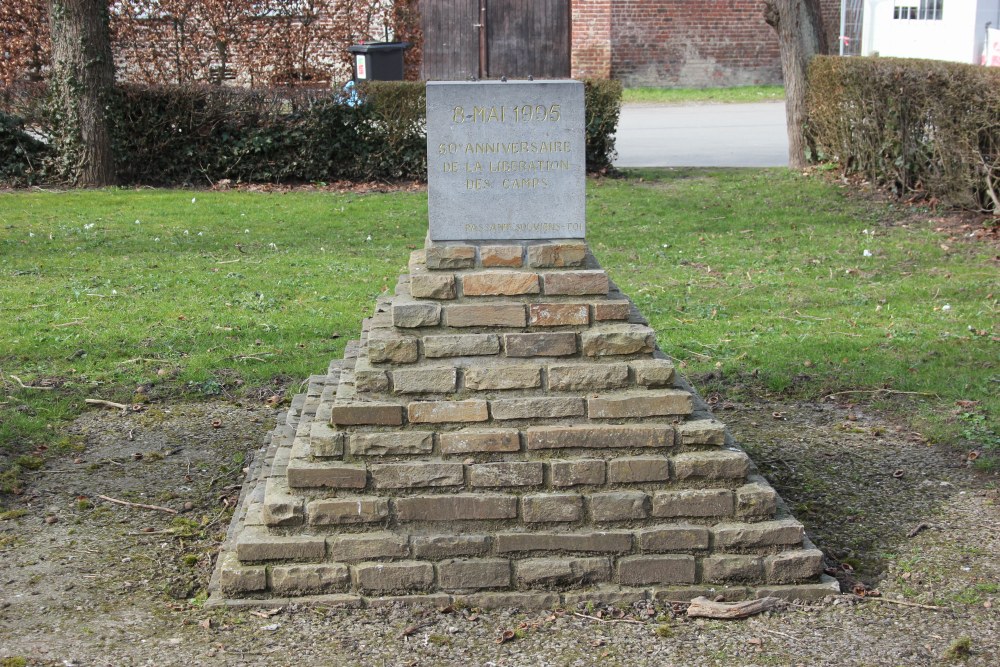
<point x="378" y="61"/>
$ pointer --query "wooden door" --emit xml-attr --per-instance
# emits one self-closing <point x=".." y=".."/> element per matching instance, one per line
<point x="451" y="39"/>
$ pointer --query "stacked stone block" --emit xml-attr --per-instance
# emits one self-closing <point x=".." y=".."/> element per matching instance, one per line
<point x="507" y="431"/>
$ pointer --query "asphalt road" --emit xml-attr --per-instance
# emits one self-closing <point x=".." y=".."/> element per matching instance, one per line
<point x="703" y="135"/>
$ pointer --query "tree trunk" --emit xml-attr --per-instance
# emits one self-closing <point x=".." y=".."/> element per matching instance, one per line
<point x="799" y="25"/>
<point x="82" y="84"/>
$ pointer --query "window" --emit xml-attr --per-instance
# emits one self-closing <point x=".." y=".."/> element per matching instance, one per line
<point x="923" y="10"/>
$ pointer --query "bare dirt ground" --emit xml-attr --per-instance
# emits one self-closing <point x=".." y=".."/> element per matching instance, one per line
<point x="86" y="581"/>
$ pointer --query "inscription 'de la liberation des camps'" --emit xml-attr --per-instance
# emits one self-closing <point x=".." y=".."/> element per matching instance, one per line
<point x="505" y="160"/>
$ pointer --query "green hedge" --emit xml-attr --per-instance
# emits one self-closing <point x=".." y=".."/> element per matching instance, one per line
<point x="171" y="135"/>
<point x="912" y="126"/>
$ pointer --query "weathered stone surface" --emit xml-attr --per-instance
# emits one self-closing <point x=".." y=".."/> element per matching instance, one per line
<point x="605" y="311"/>
<point x="617" y="339"/>
<point x="722" y="464"/>
<point x="428" y="379"/>
<point x="577" y="472"/>
<point x="449" y="546"/>
<point x="597" y="542"/>
<point x="631" y="405"/>
<point x="475" y="573"/>
<point x="458" y="507"/>
<point x="343" y="511"/>
<point x="556" y="344"/>
<point x="575" y="283"/>
<point x="558" y="314"/>
<point x="587" y="377"/>
<point x="392" y="349"/>
<point x="438" y="412"/>
<point x="701" y="432"/>
<point x="462" y="345"/>
<point x="480" y="440"/>
<point x="555" y="507"/>
<point x="510" y="473"/>
<point x="793" y="566"/>
<point x="398" y="576"/>
<point x="427" y="600"/>
<point x="377" y="414"/>
<point x="557" y="255"/>
<point x="440" y="256"/>
<point x="826" y="586"/>
<point x="536" y="408"/>
<point x="371" y="380"/>
<point x="281" y="508"/>
<point x="510" y="600"/>
<point x="653" y="372"/>
<point x="756" y="500"/>
<point x="333" y="476"/>
<point x="618" y="505"/>
<point x="417" y="475"/>
<point x="485" y="315"/>
<point x="324" y="441"/>
<point x="253" y="546"/>
<point x="645" y="570"/>
<point x="552" y="572"/>
<point x="723" y="568"/>
<point x="309" y="579"/>
<point x="235" y="578"/>
<point x="500" y="283"/>
<point x="635" y="469"/>
<point x="492" y="378"/>
<point x="432" y="286"/>
<point x="673" y="538"/>
<point x="599" y="437"/>
<point x="501" y="256"/>
<point x="391" y="443"/>
<point x="693" y="503"/>
<point x="760" y="534"/>
<point x="366" y="546"/>
<point x="412" y="315"/>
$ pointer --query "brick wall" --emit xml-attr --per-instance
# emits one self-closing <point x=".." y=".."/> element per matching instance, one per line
<point x="590" y="51"/>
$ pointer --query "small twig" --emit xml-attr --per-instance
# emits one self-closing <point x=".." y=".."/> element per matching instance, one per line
<point x="844" y="333"/>
<point x="107" y="404"/>
<point x="167" y="531"/>
<point x="609" y="620"/>
<point x="70" y="324"/>
<point x="882" y="391"/>
<point x="128" y="504"/>
<point x="780" y="634"/>
<point x="919" y="527"/>
<point x="906" y="604"/>
<point x="229" y="261"/>
<point x="30" y="386"/>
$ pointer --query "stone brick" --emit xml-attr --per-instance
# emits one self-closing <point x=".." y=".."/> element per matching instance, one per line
<point x="510" y="473"/>
<point x="723" y="464"/>
<point x="393" y="577"/>
<point x="575" y="283"/>
<point x="282" y="509"/>
<point x="479" y="440"/>
<point x="701" y="432"/>
<point x="339" y="476"/>
<point x="789" y="567"/>
<point x="653" y="372"/>
<point x="449" y="546"/>
<point x="645" y="570"/>
<point x="375" y="414"/>
<point x="426" y="600"/>
<point x="344" y="511"/>
<point x="237" y="578"/>
<point x="309" y="579"/>
<point x="618" y="505"/>
<point x="412" y="315"/>
<point x="438" y="256"/>
<point x="463" y="345"/>
<point x="458" y="507"/>
<point x="597" y="542"/>
<point x="556" y="344"/>
<point x="577" y="472"/>
<point x="437" y="412"/>
<point x="725" y="568"/>
<point x="587" y="377"/>
<point x="557" y="255"/>
<point x="600" y="437"/>
<point x="693" y="502"/>
<point x="510" y="600"/>
<point x="417" y="475"/>
<point x="497" y="256"/>
<point x="432" y="286"/>
<point x="756" y="500"/>
<point x="475" y="573"/>
<point x="485" y="315"/>
<point x="371" y="380"/>
<point x="826" y="586"/>
<point x="673" y="538"/>
<point x="618" y="339"/>
<point x="545" y="507"/>
<point x="366" y="546"/>
<point x="632" y="405"/>
<point x="755" y="535"/>
<point x="553" y="572"/>
<point x="605" y="311"/>
<point x="500" y="283"/>
<point x="558" y="314"/>
<point x="391" y="443"/>
<point x="252" y="546"/>
<point x="492" y="378"/>
<point x="392" y="349"/>
<point x="324" y="441"/>
<point x="536" y="408"/>
<point x="636" y="469"/>
<point x="438" y="380"/>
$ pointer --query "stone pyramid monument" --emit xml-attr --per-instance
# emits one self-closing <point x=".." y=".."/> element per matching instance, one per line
<point x="506" y="431"/>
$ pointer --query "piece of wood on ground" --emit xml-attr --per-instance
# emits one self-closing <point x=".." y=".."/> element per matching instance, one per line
<point x="702" y="607"/>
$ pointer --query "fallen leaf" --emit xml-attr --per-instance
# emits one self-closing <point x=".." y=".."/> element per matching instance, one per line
<point x="505" y="636"/>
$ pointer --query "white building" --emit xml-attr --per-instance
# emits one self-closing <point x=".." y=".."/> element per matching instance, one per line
<point x="952" y="30"/>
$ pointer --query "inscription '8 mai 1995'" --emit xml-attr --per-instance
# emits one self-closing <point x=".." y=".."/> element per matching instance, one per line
<point x="505" y="160"/>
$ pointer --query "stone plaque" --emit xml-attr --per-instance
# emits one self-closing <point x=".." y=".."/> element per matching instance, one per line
<point x="505" y="160"/>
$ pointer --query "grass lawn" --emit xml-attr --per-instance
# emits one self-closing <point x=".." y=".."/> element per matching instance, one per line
<point x="704" y="95"/>
<point x="773" y="281"/>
